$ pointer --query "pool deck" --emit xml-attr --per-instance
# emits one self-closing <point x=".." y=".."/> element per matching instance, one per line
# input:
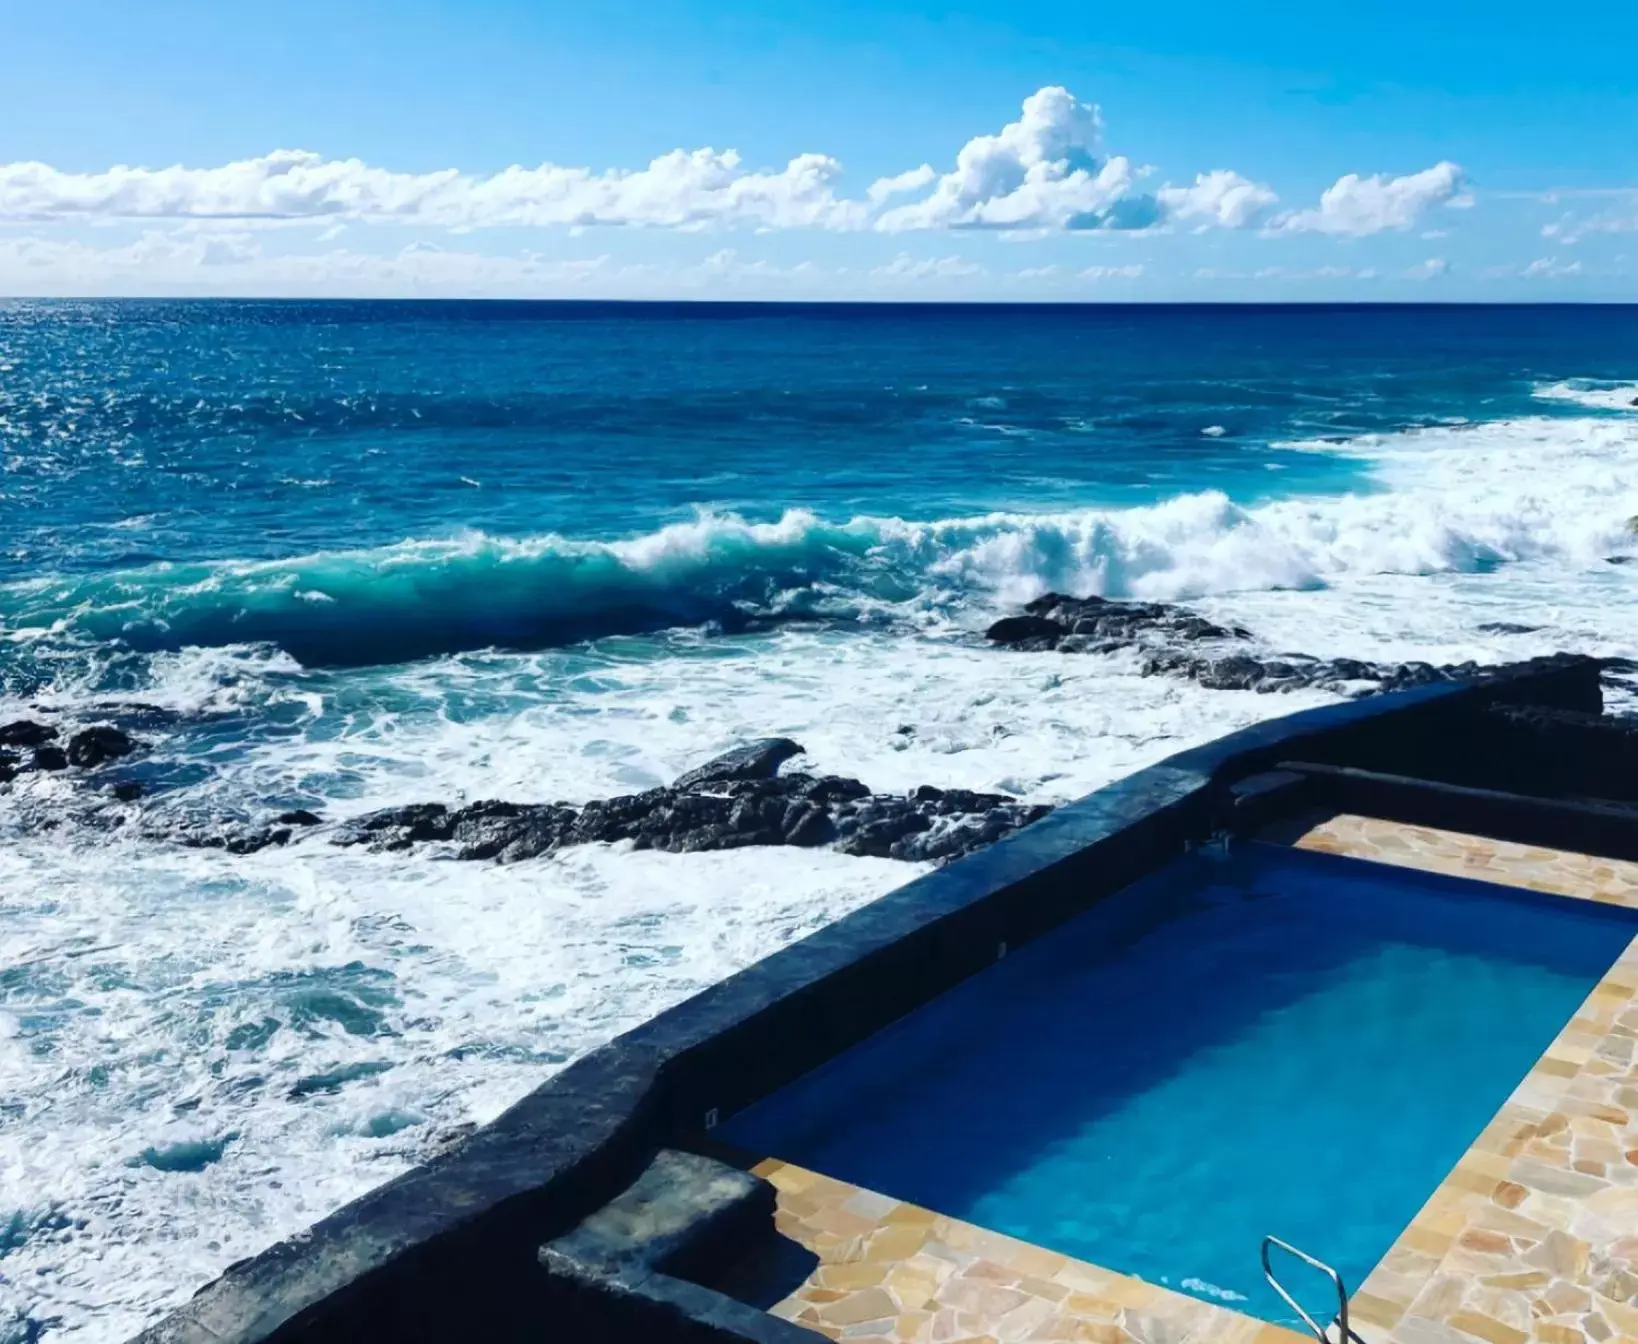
<point x="894" y="1273"/>
<point x="1534" y="1234"/>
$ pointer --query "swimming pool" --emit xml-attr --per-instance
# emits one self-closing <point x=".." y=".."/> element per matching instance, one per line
<point x="1273" y="1042"/>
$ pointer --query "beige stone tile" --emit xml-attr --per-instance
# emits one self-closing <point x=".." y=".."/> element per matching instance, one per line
<point x="1486" y="1327"/>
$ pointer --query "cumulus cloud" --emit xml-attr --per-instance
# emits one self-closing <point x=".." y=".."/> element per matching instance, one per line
<point x="1356" y="206"/>
<point x="912" y="179"/>
<point x="680" y="189"/>
<point x="1039" y="172"/>
<point x="1222" y="198"/>
<point x="1044" y="172"/>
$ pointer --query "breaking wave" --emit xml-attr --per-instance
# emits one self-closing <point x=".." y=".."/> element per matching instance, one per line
<point x="1462" y="499"/>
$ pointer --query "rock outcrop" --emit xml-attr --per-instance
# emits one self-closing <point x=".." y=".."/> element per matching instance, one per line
<point x="736" y="800"/>
<point x="1174" y="641"/>
<point x="27" y="746"/>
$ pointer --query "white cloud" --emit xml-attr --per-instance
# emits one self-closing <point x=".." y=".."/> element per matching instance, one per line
<point x="1044" y="172"/>
<point x="1622" y="218"/>
<point x="1041" y="171"/>
<point x="912" y="179"/>
<point x="1551" y="268"/>
<point x="185" y="261"/>
<point x="677" y="190"/>
<point x="1356" y="206"/>
<point x="1316" y="273"/>
<point x="1128" y="272"/>
<point x="906" y="267"/>
<point x="1431" y="269"/>
<point x="1222" y="198"/>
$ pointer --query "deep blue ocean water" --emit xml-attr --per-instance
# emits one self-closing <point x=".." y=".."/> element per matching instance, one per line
<point x="344" y="555"/>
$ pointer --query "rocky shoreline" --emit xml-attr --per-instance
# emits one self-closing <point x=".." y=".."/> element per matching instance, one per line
<point x="1175" y="641"/>
<point x="739" y="799"/>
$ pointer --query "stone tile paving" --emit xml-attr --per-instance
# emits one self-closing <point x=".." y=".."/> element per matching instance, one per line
<point x="893" y="1273"/>
<point x="1534" y="1234"/>
<point x="1502" y="861"/>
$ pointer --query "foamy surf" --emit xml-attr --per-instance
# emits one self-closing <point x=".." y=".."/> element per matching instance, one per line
<point x="321" y="1019"/>
<point x="1602" y="394"/>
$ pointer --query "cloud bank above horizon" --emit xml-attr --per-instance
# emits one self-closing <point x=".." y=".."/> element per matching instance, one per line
<point x="1045" y="172"/>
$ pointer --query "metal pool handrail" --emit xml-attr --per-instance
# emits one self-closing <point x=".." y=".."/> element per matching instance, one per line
<point x="1319" y="1330"/>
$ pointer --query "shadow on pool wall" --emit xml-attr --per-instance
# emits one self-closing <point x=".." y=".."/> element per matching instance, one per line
<point x="453" y="1248"/>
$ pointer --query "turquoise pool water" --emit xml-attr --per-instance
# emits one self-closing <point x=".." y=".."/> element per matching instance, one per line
<point x="1278" y="1042"/>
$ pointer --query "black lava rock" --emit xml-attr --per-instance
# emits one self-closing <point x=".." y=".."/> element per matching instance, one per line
<point x="755" y="760"/>
<point x="50" y="758"/>
<point x="1022" y="632"/>
<point x="738" y="799"/>
<point x="92" y="746"/>
<point x="25" y="733"/>
<point x="1175" y="641"/>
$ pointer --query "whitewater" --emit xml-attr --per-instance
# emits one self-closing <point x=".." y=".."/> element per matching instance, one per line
<point x="202" y="1053"/>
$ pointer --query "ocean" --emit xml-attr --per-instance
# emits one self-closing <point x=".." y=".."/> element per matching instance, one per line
<point x="337" y="556"/>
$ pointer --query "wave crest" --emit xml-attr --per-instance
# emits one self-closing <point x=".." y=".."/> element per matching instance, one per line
<point x="1450" y="499"/>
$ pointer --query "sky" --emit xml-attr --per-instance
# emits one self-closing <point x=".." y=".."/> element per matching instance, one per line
<point x="1003" y="150"/>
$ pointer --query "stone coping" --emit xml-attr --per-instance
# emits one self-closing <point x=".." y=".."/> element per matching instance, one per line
<point x="1534" y="1233"/>
<point x="890" y="1272"/>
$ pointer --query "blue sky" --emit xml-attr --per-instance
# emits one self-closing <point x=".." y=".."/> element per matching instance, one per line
<point x="1043" y="151"/>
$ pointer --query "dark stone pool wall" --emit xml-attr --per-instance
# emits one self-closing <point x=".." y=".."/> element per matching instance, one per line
<point x="452" y="1250"/>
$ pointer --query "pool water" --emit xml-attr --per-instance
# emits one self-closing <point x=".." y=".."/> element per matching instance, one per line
<point x="1276" y="1042"/>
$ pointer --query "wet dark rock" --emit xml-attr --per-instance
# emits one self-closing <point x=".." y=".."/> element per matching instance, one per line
<point x="1507" y="628"/>
<point x="298" y="816"/>
<point x="102" y="742"/>
<point x="230" y="838"/>
<point x="1099" y="621"/>
<point x="27" y="745"/>
<point x="128" y="790"/>
<point x="1174" y="641"/>
<point x="737" y="800"/>
<point x="1025" y="632"/>
<point x="26" y="733"/>
<point x="755" y="760"/>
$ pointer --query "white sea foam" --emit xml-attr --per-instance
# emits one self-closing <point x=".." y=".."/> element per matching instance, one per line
<point x="1604" y="394"/>
<point x="472" y="982"/>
